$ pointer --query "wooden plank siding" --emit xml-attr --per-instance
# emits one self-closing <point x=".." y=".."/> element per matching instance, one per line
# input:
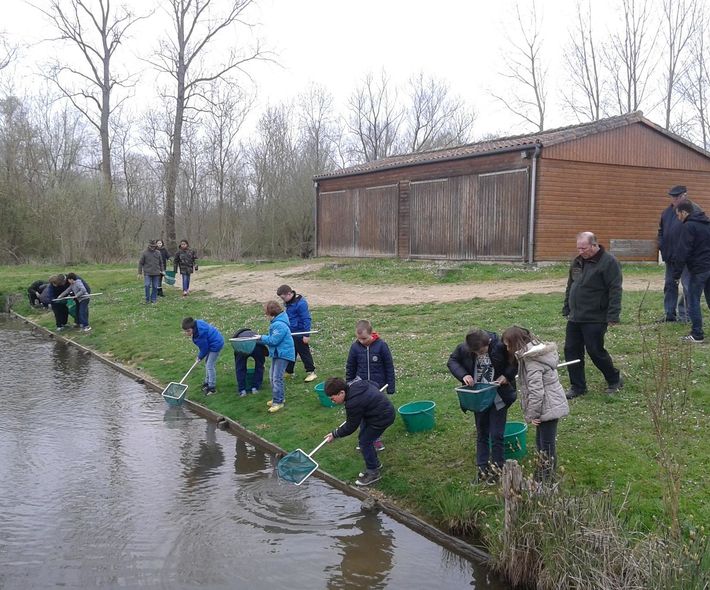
<point x="631" y="145"/>
<point x="615" y="202"/>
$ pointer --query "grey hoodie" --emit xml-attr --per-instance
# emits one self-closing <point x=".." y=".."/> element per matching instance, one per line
<point x="542" y="396"/>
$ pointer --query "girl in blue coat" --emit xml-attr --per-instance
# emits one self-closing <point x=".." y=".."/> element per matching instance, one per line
<point x="281" y="350"/>
<point x="209" y="342"/>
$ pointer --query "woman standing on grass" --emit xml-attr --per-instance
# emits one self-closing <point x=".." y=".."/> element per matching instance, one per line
<point x="185" y="260"/>
<point x="542" y="396"/>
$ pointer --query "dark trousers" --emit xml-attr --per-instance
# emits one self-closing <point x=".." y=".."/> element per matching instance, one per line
<point x="545" y="440"/>
<point x="698" y="283"/>
<point x="240" y="364"/>
<point x="82" y="313"/>
<point x="368" y="436"/>
<point x="304" y="351"/>
<point x="490" y="429"/>
<point x="61" y="313"/>
<point x="671" y="297"/>
<point x="581" y="336"/>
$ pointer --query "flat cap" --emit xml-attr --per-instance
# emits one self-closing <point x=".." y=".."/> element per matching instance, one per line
<point x="677" y="190"/>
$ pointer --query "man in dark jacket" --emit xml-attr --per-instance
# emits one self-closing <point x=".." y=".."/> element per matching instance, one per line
<point x="151" y="268"/>
<point x="693" y="253"/>
<point x="592" y="302"/>
<point x="371" y="410"/>
<point x="34" y="292"/>
<point x="669" y="230"/>
<point x="484" y="358"/>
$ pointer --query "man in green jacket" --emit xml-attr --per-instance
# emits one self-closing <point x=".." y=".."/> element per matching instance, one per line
<point x="592" y="302"/>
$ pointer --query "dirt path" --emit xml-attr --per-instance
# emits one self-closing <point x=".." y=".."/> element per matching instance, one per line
<point x="259" y="286"/>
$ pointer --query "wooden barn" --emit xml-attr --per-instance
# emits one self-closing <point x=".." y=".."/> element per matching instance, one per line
<point x="520" y="198"/>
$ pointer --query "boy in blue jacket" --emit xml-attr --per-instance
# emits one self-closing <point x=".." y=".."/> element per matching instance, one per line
<point x="371" y="410"/>
<point x="299" y="317"/>
<point x="209" y="341"/>
<point x="370" y="359"/>
<point x="281" y="350"/>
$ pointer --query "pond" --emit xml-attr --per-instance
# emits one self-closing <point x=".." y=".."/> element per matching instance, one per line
<point x="105" y="486"/>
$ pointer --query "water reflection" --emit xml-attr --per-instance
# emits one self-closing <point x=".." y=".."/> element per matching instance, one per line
<point x="104" y="486"/>
<point x="366" y="550"/>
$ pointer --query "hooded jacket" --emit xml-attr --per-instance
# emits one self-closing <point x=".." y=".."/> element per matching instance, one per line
<point x="462" y="362"/>
<point x="542" y="396"/>
<point x="279" y="339"/>
<point x="669" y="230"/>
<point x="364" y="403"/>
<point x="594" y="289"/>
<point x="207" y="338"/>
<point x="694" y="244"/>
<point x="371" y="363"/>
<point x="298" y="314"/>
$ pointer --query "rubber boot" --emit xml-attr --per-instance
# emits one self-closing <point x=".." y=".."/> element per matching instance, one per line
<point x="160" y="292"/>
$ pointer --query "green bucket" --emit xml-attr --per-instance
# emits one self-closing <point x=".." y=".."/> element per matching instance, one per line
<point x="325" y="401"/>
<point x="169" y="277"/>
<point x="515" y="440"/>
<point x="71" y="307"/>
<point x="418" y="416"/>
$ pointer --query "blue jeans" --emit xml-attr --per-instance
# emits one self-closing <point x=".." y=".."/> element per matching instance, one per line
<point x="211" y="368"/>
<point x="671" y="300"/>
<point x="581" y="336"/>
<point x="82" y="313"/>
<point x="185" y="282"/>
<point x="151" y="284"/>
<point x="276" y="375"/>
<point x="367" y="438"/>
<point x="490" y="429"/>
<point x="698" y="284"/>
<point x="240" y="365"/>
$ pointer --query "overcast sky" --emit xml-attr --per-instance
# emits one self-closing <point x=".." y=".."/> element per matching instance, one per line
<point x="335" y="43"/>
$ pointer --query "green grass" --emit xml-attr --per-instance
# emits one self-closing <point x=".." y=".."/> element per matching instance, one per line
<point x="604" y="443"/>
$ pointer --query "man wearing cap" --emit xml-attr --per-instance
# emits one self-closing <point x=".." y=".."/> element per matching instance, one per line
<point x="669" y="230"/>
<point x="151" y="267"/>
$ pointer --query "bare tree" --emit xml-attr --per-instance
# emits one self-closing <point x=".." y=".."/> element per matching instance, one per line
<point x="630" y="53"/>
<point x="526" y="69"/>
<point x="584" y="69"/>
<point x="318" y="128"/>
<point x="679" y="22"/>
<point x="374" y="119"/>
<point x="198" y="24"/>
<point x="696" y="81"/>
<point x="7" y="52"/>
<point x="434" y="118"/>
<point x="97" y="31"/>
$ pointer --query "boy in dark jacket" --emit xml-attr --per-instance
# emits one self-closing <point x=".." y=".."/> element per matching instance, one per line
<point x="299" y="317"/>
<point x="240" y="364"/>
<point x="371" y="410"/>
<point x="209" y="342"/>
<point x="370" y="359"/>
<point x="483" y="358"/>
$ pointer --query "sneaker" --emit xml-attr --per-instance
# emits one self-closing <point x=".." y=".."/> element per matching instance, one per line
<point x="613" y="388"/>
<point x="368" y="478"/>
<point x="288" y="375"/>
<point x="311" y="377"/>
<point x="572" y="393"/>
<point x="379" y="446"/>
<point x="184" y="293"/>
<point x="211" y="391"/>
<point x="275" y="408"/>
<point x="243" y="393"/>
<point x="665" y="319"/>
<point x="692" y="339"/>
<point x="254" y="390"/>
<point x="379" y="466"/>
<point x="60" y="328"/>
<point x="86" y="329"/>
<point x="205" y="387"/>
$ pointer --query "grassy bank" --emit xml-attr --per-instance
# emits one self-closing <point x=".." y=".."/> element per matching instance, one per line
<point x="606" y="442"/>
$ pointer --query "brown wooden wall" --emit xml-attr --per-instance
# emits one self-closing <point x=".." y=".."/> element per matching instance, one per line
<point x="358" y="222"/>
<point x="614" y="202"/>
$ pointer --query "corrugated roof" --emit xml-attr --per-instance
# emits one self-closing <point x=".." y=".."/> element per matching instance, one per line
<point x="503" y="144"/>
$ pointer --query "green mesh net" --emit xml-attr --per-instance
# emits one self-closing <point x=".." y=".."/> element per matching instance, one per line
<point x="174" y="393"/>
<point x="296" y="467"/>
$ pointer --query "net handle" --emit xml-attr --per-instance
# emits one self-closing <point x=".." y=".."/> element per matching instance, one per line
<point x="189" y="371"/>
<point x="325" y="440"/>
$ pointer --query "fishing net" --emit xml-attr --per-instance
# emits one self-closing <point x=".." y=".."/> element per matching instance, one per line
<point x="296" y="467"/>
<point x="174" y="393"/>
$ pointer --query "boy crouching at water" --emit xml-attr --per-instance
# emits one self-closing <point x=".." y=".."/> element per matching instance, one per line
<point x="81" y="294"/>
<point x="371" y="410"/>
<point x="209" y="342"/>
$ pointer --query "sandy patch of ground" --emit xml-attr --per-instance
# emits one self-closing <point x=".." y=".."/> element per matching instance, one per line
<point x="260" y="286"/>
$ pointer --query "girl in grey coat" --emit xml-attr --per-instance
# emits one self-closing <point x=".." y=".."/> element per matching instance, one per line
<point x="542" y="396"/>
